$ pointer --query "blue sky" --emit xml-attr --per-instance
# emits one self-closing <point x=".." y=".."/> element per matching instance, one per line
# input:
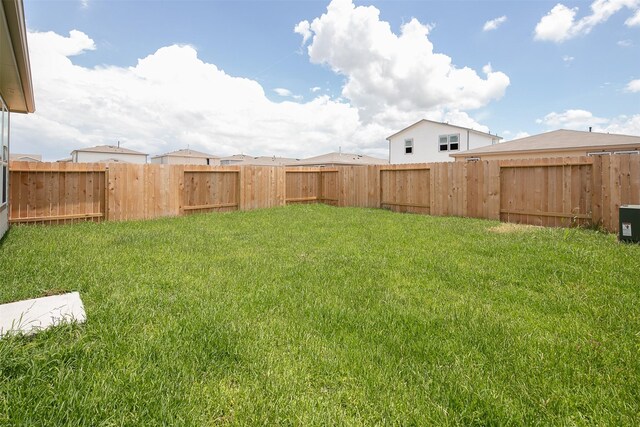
<point x="301" y="78"/>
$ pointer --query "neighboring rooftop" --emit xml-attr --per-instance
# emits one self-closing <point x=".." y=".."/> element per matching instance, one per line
<point x="187" y="152"/>
<point x="339" y="158"/>
<point x="243" y="159"/>
<point x="446" y="124"/>
<point x="18" y="157"/>
<point x="559" y="140"/>
<point x="108" y="149"/>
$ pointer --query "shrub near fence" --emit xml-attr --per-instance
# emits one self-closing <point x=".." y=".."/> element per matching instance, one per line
<point x="549" y="192"/>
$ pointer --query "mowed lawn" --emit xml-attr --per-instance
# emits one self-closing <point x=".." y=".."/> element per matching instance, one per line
<point x="315" y="315"/>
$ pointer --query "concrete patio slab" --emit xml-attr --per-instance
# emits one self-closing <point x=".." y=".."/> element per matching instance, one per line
<point x="33" y="315"/>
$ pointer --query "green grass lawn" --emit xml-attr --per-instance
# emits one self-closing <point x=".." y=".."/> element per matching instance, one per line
<point x="314" y="315"/>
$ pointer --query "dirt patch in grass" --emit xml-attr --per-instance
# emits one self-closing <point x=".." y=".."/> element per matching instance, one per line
<point x="509" y="227"/>
<point x="54" y="291"/>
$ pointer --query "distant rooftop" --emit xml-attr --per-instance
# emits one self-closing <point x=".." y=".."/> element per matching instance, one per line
<point x="187" y="152"/>
<point x="338" y="158"/>
<point x="558" y="140"/>
<point x="108" y="149"/>
<point x="19" y="157"/>
<point x="244" y="159"/>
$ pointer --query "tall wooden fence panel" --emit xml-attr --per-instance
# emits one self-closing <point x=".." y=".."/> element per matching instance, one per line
<point x="329" y="183"/>
<point x="262" y="187"/>
<point x="449" y="189"/>
<point x="547" y="192"/>
<point x="618" y="183"/>
<point x="359" y="186"/>
<point x="126" y="191"/>
<point x="302" y="185"/>
<point x="162" y="195"/>
<point x="483" y="189"/>
<point x="406" y="189"/>
<point x="56" y="192"/>
<point x="211" y="190"/>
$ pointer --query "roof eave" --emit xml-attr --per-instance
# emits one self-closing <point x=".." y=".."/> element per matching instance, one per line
<point x="14" y="13"/>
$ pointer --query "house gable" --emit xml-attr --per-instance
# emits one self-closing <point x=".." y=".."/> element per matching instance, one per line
<point x="427" y="141"/>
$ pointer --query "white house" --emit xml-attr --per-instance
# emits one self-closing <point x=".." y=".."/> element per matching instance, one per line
<point x="16" y="90"/>
<point x="107" y="154"/>
<point x="186" y="157"/>
<point x="427" y="141"/>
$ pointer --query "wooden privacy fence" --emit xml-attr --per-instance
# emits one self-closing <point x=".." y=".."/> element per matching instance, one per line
<point x="549" y="192"/>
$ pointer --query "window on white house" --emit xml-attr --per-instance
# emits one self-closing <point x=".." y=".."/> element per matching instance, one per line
<point x="408" y="146"/>
<point x="449" y="142"/>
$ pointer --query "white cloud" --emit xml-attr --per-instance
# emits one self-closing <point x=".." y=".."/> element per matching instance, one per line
<point x="171" y="99"/>
<point x="555" y="26"/>
<point x="633" y="21"/>
<point x="282" y="91"/>
<point x="304" y="30"/>
<point x="567" y="58"/>
<point x="623" y="124"/>
<point x="494" y="23"/>
<point x="633" y="86"/>
<point x="625" y="43"/>
<point x="287" y="93"/>
<point x="571" y="119"/>
<point x="510" y="136"/>
<point x="560" y="24"/>
<point x="582" y="120"/>
<point x="60" y="47"/>
<point x="84" y="4"/>
<point x="315" y="89"/>
<point x="394" y="78"/>
<point x="521" y="134"/>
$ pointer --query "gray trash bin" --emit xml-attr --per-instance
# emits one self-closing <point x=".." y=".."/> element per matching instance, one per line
<point x="629" y="223"/>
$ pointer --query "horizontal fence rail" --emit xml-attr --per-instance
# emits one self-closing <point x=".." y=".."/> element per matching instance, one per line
<point x="550" y="192"/>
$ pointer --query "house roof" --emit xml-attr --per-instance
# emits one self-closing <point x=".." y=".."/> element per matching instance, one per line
<point x="16" y="85"/>
<point x="108" y="149"/>
<point x="187" y="152"/>
<point x="446" y="124"/>
<point x="111" y="160"/>
<point x="243" y="159"/>
<point x="336" y="158"/>
<point x="25" y="157"/>
<point x="558" y="140"/>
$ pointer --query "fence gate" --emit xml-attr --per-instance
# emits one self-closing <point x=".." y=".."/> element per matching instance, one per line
<point x="207" y="190"/>
<point x="406" y="190"/>
<point x="59" y="194"/>
<point x="555" y="195"/>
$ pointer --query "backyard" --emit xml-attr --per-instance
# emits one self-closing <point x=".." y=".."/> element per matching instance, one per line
<point x="316" y="315"/>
